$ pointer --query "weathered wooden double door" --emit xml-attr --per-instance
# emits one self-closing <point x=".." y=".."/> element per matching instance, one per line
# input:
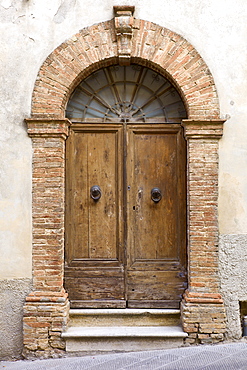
<point x="125" y="215"/>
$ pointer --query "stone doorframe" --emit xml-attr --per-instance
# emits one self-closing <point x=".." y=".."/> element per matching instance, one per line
<point x="123" y="40"/>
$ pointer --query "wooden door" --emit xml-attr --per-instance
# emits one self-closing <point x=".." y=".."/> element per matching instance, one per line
<point x="156" y="275"/>
<point x="125" y="249"/>
<point x="94" y="268"/>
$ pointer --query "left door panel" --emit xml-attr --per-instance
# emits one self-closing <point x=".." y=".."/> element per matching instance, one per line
<point x="94" y="267"/>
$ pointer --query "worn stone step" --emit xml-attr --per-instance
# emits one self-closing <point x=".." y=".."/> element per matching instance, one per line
<point x="124" y="317"/>
<point x="122" y="338"/>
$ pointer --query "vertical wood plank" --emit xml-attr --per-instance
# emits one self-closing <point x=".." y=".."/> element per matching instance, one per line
<point x="155" y="165"/>
<point x="77" y="220"/>
<point x="102" y="167"/>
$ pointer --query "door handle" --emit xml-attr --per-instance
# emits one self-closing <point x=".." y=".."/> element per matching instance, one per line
<point x="156" y="195"/>
<point x="95" y="193"/>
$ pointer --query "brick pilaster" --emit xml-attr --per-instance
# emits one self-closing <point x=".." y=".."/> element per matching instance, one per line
<point x="203" y="313"/>
<point x="46" y="308"/>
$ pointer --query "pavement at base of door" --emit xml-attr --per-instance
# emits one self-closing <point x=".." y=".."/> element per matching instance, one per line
<point x="228" y="356"/>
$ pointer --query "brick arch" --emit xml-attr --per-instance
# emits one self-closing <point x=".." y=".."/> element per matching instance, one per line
<point x="153" y="46"/>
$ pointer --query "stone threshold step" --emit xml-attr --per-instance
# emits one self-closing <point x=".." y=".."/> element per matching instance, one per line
<point x="122" y="311"/>
<point x="125" y="331"/>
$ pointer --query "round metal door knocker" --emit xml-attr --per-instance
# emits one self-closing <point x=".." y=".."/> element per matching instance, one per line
<point x="95" y="193"/>
<point x="156" y="195"/>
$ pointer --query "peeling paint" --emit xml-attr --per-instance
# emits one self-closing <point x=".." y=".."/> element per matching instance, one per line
<point x="64" y="8"/>
<point x="6" y="4"/>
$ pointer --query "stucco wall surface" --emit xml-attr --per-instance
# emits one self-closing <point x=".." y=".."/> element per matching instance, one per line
<point x="12" y="297"/>
<point x="31" y="29"/>
<point x="233" y="257"/>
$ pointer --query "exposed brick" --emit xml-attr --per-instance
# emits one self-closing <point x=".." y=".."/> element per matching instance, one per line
<point x="202" y="307"/>
<point x="96" y="46"/>
<point x="44" y="319"/>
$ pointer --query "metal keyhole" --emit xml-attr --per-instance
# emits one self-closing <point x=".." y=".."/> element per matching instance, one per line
<point x="95" y="193"/>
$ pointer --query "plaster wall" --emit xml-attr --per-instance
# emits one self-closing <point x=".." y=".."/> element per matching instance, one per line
<point x="31" y="29"/>
<point x="233" y="257"/>
<point x="12" y="298"/>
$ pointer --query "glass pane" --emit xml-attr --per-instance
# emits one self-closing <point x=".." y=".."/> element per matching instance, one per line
<point x="125" y="94"/>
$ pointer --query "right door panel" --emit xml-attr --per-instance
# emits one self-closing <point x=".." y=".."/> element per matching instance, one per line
<point x="156" y="240"/>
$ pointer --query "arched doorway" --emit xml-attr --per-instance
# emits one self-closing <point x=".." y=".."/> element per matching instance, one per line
<point x="125" y="233"/>
<point x="98" y="46"/>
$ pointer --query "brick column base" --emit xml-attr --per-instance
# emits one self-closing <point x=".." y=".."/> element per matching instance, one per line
<point x="45" y="317"/>
<point x="203" y="317"/>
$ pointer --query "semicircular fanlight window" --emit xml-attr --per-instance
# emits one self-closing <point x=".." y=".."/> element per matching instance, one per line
<point x="125" y="94"/>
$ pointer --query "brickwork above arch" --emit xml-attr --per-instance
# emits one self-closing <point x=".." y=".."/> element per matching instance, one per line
<point x="152" y="45"/>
